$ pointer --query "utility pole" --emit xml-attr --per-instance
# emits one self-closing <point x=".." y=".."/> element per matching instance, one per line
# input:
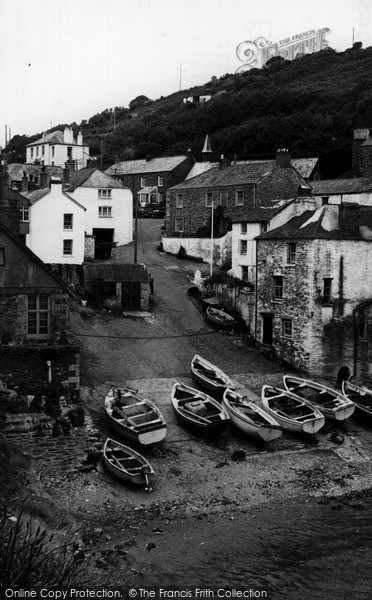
<point x="180" y="76"/>
<point x="353" y="36"/>
<point x="135" y="223"/>
<point x="101" y="154"/>
<point x="211" y="269"/>
<point x="6" y="135"/>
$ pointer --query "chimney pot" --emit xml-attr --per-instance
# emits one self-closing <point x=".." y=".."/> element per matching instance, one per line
<point x="283" y="158"/>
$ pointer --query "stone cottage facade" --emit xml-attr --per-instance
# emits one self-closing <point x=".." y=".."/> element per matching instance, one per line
<point x="232" y="191"/>
<point x="312" y="275"/>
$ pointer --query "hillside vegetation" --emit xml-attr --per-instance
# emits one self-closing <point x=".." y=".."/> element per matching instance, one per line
<point x="309" y="105"/>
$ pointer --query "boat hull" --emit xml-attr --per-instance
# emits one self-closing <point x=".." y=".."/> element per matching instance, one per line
<point x="214" y="387"/>
<point x="362" y="397"/>
<point x="334" y="405"/>
<point x="263" y="433"/>
<point x="144" y="438"/>
<point x="311" y="425"/>
<point x="117" y="470"/>
<point x="213" y="424"/>
<point x="219" y="319"/>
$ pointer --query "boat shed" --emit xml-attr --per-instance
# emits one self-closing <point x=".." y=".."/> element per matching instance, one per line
<point x="123" y="287"/>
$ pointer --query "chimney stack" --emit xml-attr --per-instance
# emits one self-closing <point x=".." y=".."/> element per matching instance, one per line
<point x="283" y="158"/>
<point x="43" y="178"/>
<point x="360" y="136"/>
<point x="24" y="187"/>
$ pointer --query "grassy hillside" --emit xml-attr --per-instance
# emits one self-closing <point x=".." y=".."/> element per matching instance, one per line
<point x="309" y="105"/>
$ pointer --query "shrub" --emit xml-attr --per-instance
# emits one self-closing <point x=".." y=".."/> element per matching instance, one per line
<point x="181" y="254"/>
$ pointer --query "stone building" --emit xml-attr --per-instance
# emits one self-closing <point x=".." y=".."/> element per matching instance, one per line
<point x="149" y="179"/>
<point x="232" y="191"/>
<point x="313" y="275"/>
<point x="362" y="153"/>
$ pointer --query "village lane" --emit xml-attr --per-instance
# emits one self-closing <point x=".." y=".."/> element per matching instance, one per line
<point x="162" y="344"/>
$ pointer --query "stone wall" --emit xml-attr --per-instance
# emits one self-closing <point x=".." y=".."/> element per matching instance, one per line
<point x="201" y="248"/>
<point x="237" y="299"/>
<point x="281" y="183"/>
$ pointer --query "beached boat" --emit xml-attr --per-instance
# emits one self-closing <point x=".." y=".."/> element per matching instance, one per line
<point x="220" y="318"/>
<point x="290" y="411"/>
<point x="361" y="396"/>
<point x="127" y="464"/>
<point x="331" y="403"/>
<point x="133" y="417"/>
<point x="250" y="418"/>
<point x="210" y="378"/>
<point x="197" y="410"/>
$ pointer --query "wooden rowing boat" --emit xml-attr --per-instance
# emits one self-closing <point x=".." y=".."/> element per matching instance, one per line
<point x="250" y="418"/>
<point x="136" y="419"/>
<point x="197" y="410"/>
<point x="210" y="378"/>
<point x="127" y="464"/>
<point x="361" y="396"/>
<point x="220" y="318"/>
<point x="331" y="403"/>
<point x="290" y="411"/>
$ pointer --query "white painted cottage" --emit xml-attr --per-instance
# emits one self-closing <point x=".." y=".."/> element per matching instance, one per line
<point x="56" y="148"/>
<point x="56" y="225"/>
<point x="108" y="204"/>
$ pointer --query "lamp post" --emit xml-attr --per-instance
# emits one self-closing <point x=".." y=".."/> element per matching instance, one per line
<point x="211" y="270"/>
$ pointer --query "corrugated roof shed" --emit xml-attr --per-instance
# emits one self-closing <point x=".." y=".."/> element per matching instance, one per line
<point x="120" y="273"/>
<point x="155" y="165"/>
<point x="327" y="187"/>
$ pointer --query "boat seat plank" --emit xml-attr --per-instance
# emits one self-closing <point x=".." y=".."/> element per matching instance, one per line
<point x="194" y="415"/>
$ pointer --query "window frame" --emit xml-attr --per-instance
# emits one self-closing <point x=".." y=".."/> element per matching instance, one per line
<point x="176" y="228"/>
<point x="243" y="247"/>
<point x="244" y="227"/>
<point x="363" y="331"/>
<point x="143" y="182"/>
<point x="23" y="211"/>
<point x="69" y="152"/>
<point x="239" y="198"/>
<point x="104" y="193"/>
<point x="65" y="248"/>
<point x="285" y="322"/>
<point x="278" y="289"/>
<point x="38" y="312"/>
<point x="291" y="253"/>
<point x="208" y="199"/>
<point x="65" y="221"/>
<point x="244" y="273"/>
<point x="105" y="209"/>
<point x="179" y="200"/>
<point x="327" y="290"/>
<point x="160" y="181"/>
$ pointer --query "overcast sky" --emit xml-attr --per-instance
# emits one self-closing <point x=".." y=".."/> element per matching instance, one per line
<point x="64" y="61"/>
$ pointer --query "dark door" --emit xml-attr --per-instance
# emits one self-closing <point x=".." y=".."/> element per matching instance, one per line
<point x="103" y="242"/>
<point x="267" y="329"/>
<point x="131" y="296"/>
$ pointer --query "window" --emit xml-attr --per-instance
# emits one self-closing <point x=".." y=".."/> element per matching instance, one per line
<point x="263" y="227"/>
<point x="244" y="273"/>
<point x="105" y="212"/>
<point x="69" y="152"/>
<point x="2" y="257"/>
<point x="32" y="152"/>
<point x="43" y="150"/>
<point x="160" y="198"/>
<point x="179" y="226"/>
<point x="287" y="327"/>
<point x="38" y="316"/>
<point x="179" y="201"/>
<point x="278" y="288"/>
<point x="143" y="182"/>
<point x="67" y="221"/>
<point x="109" y="289"/>
<point x="363" y="330"/>
<point x="239" y="198"/>
<point x="209" y="199"/>
<point x="243" y="228"/>
<point x="243" y="245"/>
<point x="291" y="258"/>
<point x="67" y="247"/>
<point x="24" y="214"/>
<point x="37" y="150"/>
<point x="327" y="290"/>
<point x="104" y="193"/>
<point x="52" y="151"/>
<point x="223" y="198"/>
<point x="160" y="181"/>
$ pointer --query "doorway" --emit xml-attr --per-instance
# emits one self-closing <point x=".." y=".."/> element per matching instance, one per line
<point x="104" y="242"/>
<point x="131" y="296"/>
<point x="267" y="329"/>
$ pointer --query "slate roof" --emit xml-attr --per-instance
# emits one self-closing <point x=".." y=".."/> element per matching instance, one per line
<point x="56" y="137"/>
<point x="305" y="166"/>
<point x="155" y="165"/>
<point x="127" y="272"/>
<point x="35" y="195"/>
<point x="15" y="170"/>
<point x="93" y="178"/>
<point x="327" y="187"/>
<point x="262" y="213"/>
<point x="201" y="167"/>
<point x="229" y="175"/>
<point x="331" y="221"/>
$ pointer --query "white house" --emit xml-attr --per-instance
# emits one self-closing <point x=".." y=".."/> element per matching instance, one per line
<point x="56" y="225"/>
<point x="108" y="204"/>
<point x="257" y="221"/>
<point x="58" y="147"/>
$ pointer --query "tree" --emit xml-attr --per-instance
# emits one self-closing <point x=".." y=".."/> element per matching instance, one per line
<point x="138" y="102"/>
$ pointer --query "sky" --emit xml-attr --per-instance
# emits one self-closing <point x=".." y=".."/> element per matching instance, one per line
<point x="64" y="61"/>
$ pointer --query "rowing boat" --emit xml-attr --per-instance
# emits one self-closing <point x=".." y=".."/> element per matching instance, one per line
<point x="220" y="318"/>
<point x="136" y="419"/>
<point x="331" y="403"/>
<point x="127" y="464"/>
<point x="361" y="396"/>
<point x="209" y="377"/>
<point x="197" y="410"/>
<point x="290" y="411"/>
<point x="250" y="418"/>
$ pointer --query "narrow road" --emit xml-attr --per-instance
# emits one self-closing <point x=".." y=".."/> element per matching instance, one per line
<point x="120" y="349"/>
